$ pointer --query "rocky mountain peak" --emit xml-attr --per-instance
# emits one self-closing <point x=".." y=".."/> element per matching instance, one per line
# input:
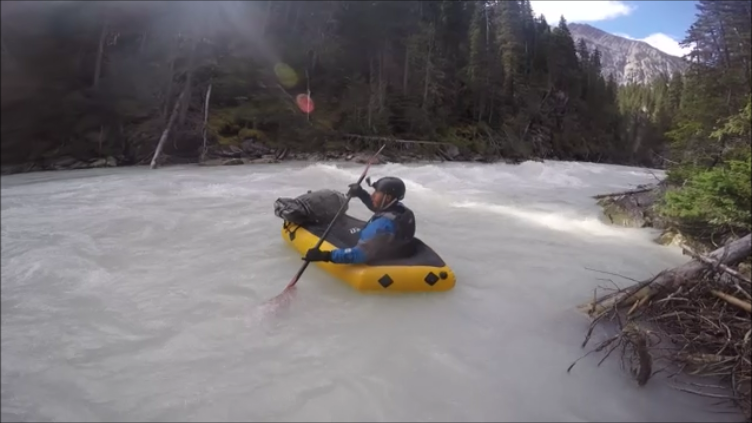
<point x="628" y="60"/>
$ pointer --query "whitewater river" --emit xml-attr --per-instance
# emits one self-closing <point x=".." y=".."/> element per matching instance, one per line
<point x="134" y="295"/>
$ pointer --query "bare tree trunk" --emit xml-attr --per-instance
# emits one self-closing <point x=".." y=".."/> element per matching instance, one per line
<point x="188" y="81"/>
<point x="206" y="120"/>
<point x="100" y="54"/>
<point x="170" y="77"/>
<point x="406" y="70"/>
<point x="428" y="73"/>
<point x="166" y="132"/>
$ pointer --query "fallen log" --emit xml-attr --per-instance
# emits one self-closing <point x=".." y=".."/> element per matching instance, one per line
<point x="390" y="139"/>
<point x="668" y="280"/>
<point x="623" y="193"/>
<point x="715" y="263"/>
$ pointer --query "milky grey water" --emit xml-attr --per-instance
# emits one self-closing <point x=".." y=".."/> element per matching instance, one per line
<point x="130" y="294"/>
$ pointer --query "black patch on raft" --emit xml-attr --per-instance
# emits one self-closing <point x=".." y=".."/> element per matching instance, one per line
<point x="431" y="278"/>
<point x="385" y="281"/>
<point x="346" y="232"/>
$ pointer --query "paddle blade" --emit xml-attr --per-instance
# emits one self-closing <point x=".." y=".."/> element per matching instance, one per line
<point x="281" y="301"/>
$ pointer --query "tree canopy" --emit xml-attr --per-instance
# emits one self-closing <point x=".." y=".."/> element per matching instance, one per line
<point x="707" y="121"/>
<point x="100" y="78"/>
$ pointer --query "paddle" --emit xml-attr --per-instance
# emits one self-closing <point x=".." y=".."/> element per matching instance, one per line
<point x="331" y="224"/>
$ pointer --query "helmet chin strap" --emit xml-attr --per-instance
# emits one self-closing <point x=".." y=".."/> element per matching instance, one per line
<point x="381" y="205"/>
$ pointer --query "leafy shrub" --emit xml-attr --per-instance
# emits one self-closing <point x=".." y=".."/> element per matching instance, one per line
<point x="721" y="196"/>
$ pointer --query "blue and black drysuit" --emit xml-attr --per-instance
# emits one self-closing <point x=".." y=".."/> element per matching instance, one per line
<point x="388" y="234"/>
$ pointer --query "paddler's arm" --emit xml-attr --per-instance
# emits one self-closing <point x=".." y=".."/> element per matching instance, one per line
<point x="373" y="237"/>
<point x="358" y="191"/>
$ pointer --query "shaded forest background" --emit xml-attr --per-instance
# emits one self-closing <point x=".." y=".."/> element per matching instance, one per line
<point x="97" y="79"/>
<point x="101" y="79"/>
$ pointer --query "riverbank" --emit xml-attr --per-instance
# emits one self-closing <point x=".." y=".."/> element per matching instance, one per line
<point x="250" y="153"/>
<point x="699" y="312"/>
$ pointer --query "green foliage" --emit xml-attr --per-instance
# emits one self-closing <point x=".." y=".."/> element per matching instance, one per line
<point x="720" y="196"/>
<point x="710" y="113"/>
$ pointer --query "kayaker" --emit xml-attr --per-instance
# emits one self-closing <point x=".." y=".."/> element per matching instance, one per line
<point x="388" y="234"/>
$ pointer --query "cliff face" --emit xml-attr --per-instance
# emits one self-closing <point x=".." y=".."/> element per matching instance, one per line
<point x="628" y="60"/>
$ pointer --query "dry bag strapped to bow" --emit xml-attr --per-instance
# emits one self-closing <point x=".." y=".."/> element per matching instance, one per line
<point x="314" y="207"/>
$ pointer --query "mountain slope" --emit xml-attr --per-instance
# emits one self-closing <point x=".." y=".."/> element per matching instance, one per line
<point x="629" y="60"/>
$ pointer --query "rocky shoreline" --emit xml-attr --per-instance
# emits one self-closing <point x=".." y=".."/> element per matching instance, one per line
<point x="637" y="209"/>
<point x="249" y="153"/>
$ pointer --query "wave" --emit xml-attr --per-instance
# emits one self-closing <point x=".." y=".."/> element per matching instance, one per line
<point x="560" y="222"/>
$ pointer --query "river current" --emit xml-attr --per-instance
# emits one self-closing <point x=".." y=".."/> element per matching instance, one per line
<point x="133" y="295"/>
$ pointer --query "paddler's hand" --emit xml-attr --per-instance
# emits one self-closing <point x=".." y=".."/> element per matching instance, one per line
<point x="355" y="190"/>
<point x="317" y="255"/>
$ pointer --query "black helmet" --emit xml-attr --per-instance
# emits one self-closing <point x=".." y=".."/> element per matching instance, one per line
<point x="391" y="186"/>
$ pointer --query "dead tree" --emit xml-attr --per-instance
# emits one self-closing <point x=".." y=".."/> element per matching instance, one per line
<point x="166" y="132"/>
<point x="100" y="54"/>
<point x="206" y="119"/>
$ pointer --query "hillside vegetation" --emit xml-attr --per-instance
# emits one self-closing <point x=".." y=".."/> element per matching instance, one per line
<point x="97" y="79"/>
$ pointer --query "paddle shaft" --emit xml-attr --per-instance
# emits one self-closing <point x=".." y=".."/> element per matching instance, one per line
<point x="331" y="224"/>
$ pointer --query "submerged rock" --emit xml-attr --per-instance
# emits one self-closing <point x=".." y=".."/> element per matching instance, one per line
<point x="671" y="237"/>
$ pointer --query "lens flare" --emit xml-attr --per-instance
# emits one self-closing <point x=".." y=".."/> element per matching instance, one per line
<point x="286" y="75"/>
<point x="305" y="103"/>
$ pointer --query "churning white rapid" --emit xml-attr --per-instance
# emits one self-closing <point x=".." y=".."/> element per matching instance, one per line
<point x="134" y="295"/>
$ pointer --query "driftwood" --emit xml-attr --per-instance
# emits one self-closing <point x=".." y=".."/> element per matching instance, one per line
<point x="166" y="132"/>
<point x="744" y="305"/>
<point x="700" y="311"/>
<point x="667" y="280"/>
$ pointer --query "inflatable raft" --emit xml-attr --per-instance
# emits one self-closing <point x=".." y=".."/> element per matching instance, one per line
<point x="424" y="271"/>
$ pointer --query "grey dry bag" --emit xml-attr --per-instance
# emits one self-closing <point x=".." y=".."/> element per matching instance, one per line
<point x="313" y="207"/>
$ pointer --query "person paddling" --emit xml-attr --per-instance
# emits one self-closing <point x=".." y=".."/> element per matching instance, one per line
<point x="389" y="234"/>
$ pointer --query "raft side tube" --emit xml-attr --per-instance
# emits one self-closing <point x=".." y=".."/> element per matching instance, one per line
<point x="424" y="271"/>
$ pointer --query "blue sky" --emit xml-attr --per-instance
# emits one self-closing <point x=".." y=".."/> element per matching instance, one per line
<point x="661" y="24"/>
